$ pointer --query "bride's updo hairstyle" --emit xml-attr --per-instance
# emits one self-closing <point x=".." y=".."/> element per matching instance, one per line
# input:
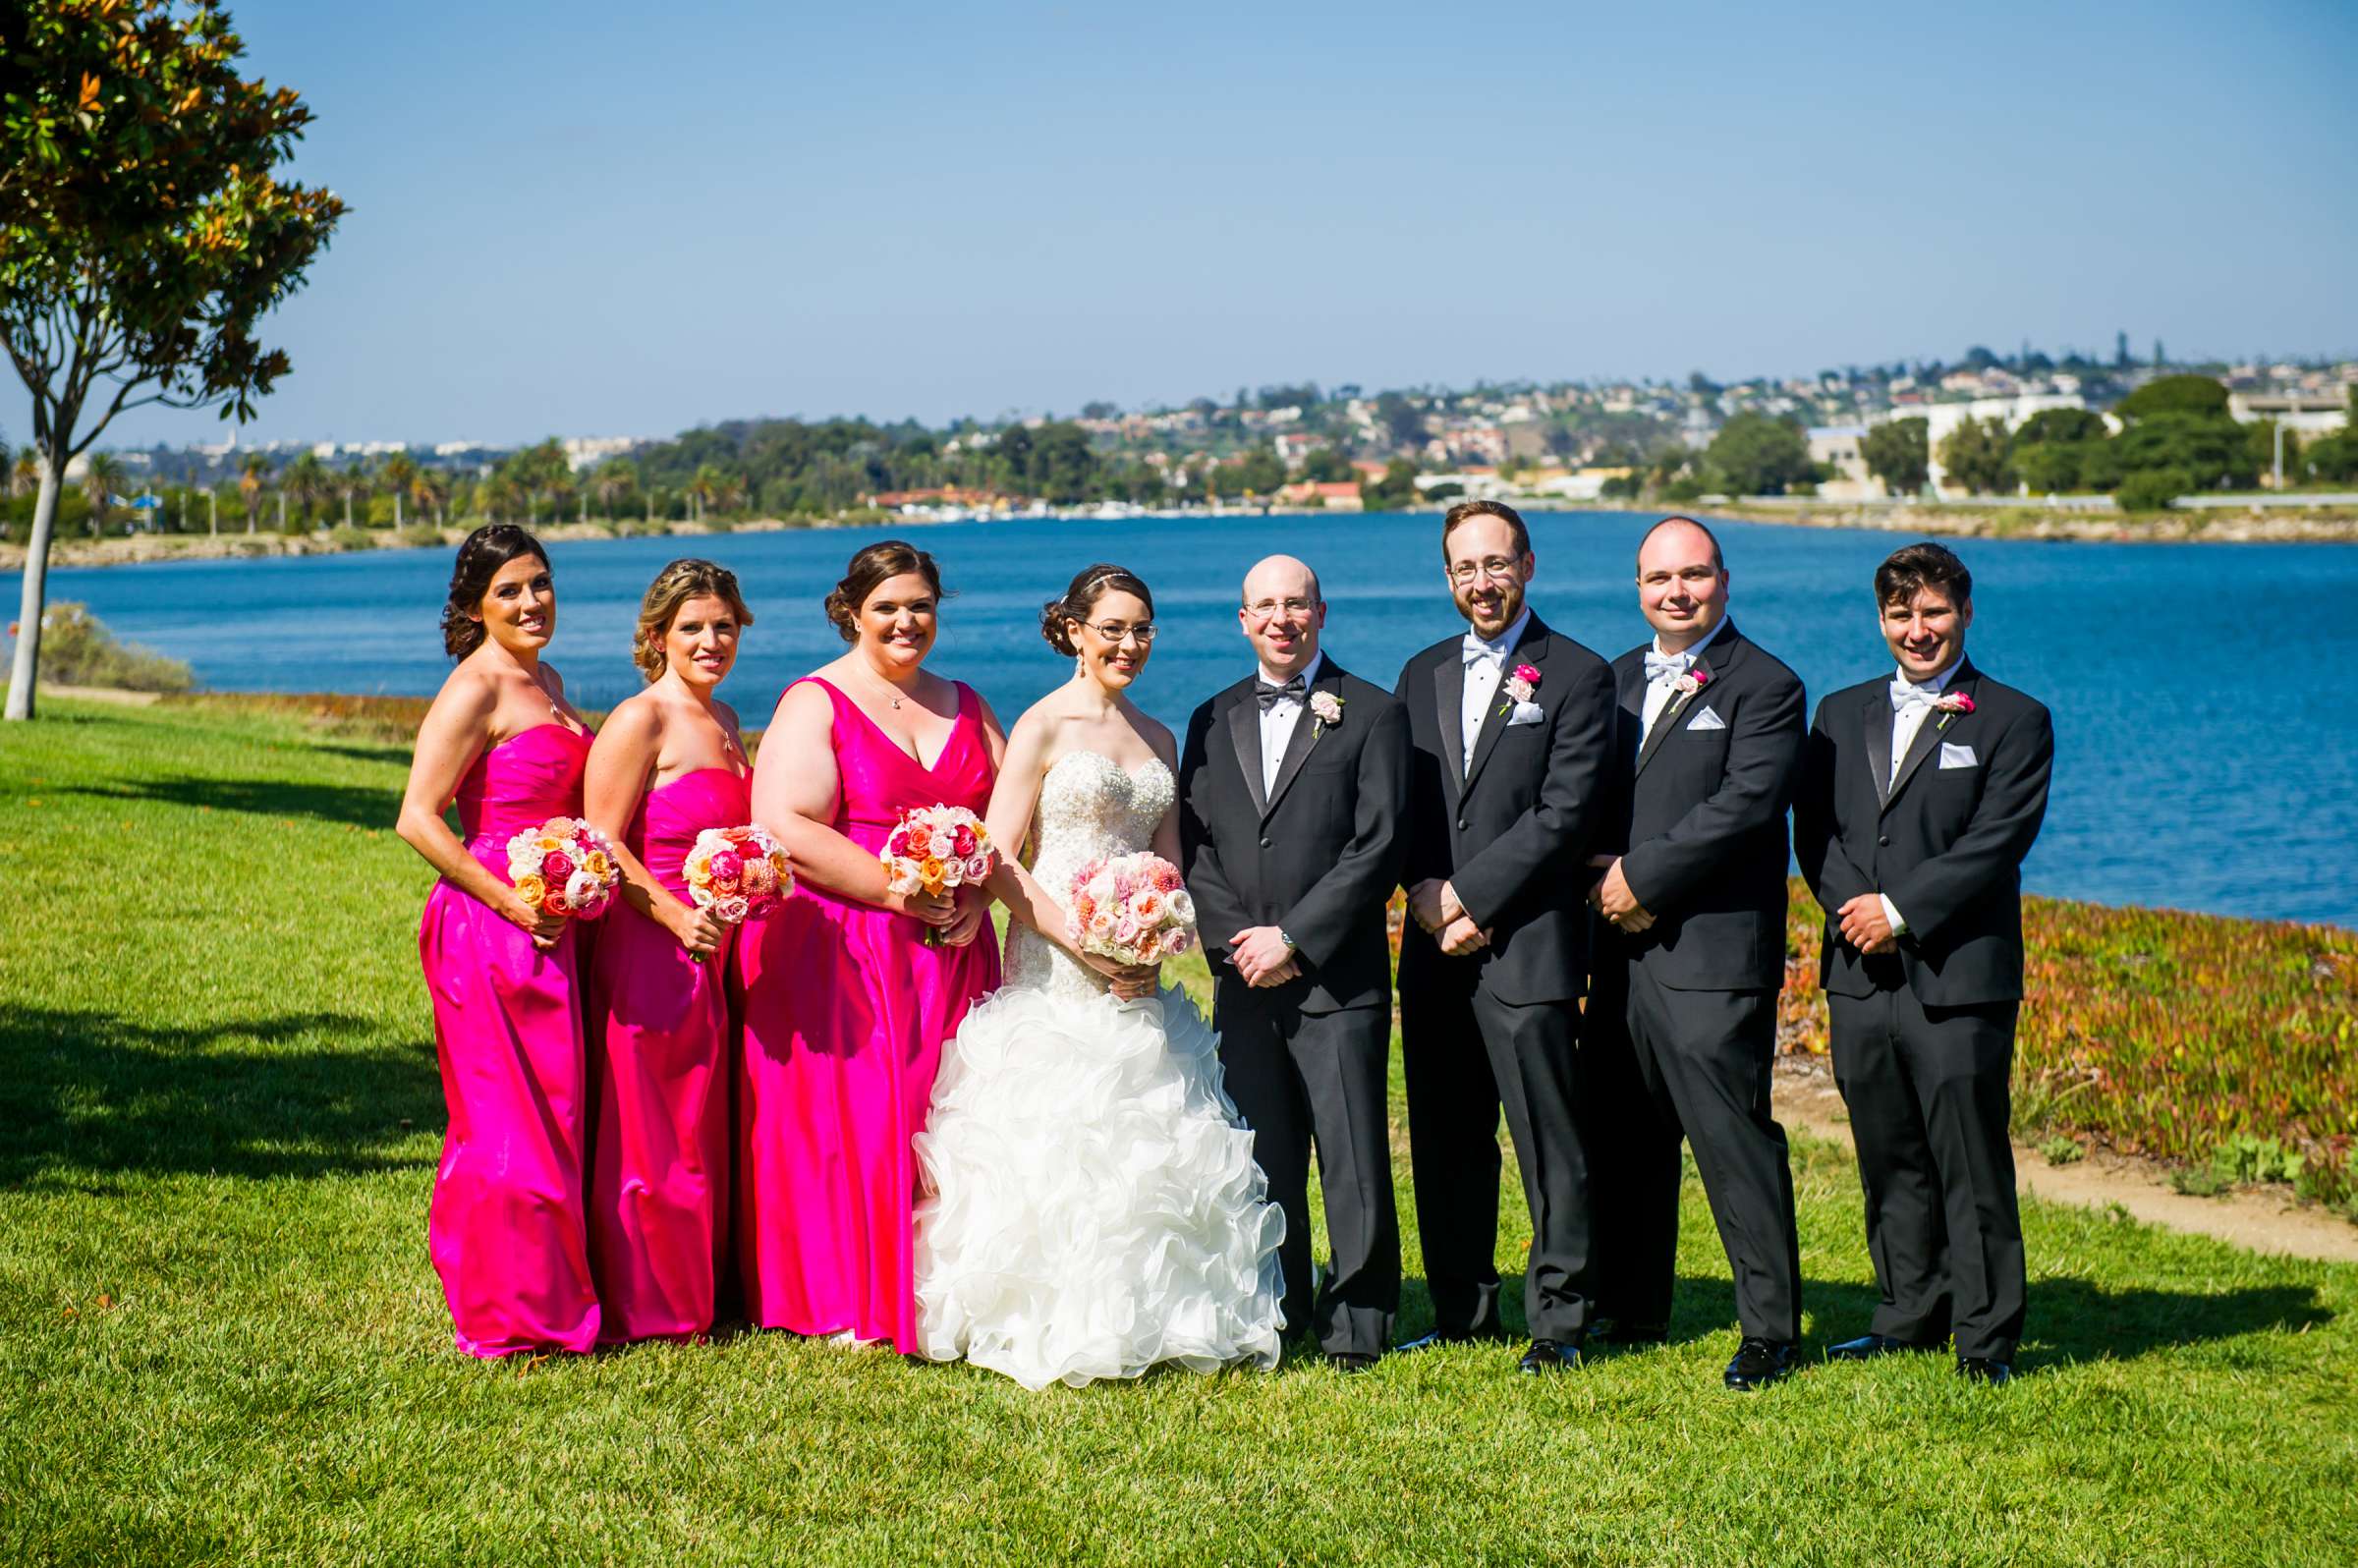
<point x="672" y="587"/>
<point x="870" y="568"/>
<point x="1081" y="598"/>
<point x="486" y="550"/>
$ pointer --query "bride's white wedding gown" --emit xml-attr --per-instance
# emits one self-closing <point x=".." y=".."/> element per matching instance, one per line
<point x="1096" y="1207"/>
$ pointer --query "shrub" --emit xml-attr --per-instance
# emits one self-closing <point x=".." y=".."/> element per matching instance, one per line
<point x="351" y="539"/>
<point x="2152" y="489"/>
<point x="76" y="649"/>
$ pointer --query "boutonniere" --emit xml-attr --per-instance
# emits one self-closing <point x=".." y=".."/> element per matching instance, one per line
<point x="1949" y="704"/>
<point x="1695" y="680"/>
<point x="1326" y="709"/>
<point x="1519" y="686"/>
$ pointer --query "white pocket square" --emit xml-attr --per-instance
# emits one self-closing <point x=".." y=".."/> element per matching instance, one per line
<point x="1707" y="720"/>
<point x="1955" y="755"/>
<point x="1526" y="713"/>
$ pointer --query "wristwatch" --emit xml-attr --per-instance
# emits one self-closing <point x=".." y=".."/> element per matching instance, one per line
<point x="1287" y="937"/>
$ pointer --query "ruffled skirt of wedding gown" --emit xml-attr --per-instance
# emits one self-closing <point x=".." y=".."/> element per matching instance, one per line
<point x="1096" y="1207"/>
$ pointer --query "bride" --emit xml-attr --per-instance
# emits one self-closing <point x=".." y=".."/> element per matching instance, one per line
<point x="1094" y="1209"/>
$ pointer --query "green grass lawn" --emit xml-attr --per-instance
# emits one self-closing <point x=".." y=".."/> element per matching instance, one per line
<point x="220" y="1338"/>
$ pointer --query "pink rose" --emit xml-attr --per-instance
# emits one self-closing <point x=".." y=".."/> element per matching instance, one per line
<point x="1179" y="941"/>
<point x="962" y="841"/>
<point x="1125" y="930"/>
<point x="1527" y="674"/>
<point x="556" y="867"/>
<point x="727" y="866"/>
<point x="977" y="867"/>
<point x="731" y="910"/>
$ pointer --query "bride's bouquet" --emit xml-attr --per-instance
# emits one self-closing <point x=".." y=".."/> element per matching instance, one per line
<point x="937" y="849"/>
<point x="738" y="873"/>
<point x="1131" y="909"/>
<point x="564" y="866"/>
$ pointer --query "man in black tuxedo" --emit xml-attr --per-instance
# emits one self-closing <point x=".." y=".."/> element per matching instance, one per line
<point x="1920" y="798"/>
<point x="1292" y="784"/>
<point x="1512" y="727"/>
<point x="1681" y="1023"/>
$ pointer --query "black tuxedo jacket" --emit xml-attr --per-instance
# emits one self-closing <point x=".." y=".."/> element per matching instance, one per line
<point x="1319" y="854"/>
<point x="1944" y="842"/>
<point x="1700" y="816"/>
<point x="1514" y="832"/>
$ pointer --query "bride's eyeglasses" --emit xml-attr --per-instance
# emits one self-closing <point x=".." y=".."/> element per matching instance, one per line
<point x="1115" y="630"/>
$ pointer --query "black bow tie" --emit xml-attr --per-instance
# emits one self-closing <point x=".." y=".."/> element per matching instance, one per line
<point x="1269" y="697"/>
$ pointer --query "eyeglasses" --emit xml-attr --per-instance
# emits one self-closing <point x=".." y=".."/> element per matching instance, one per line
<point x="1266" y="609"/>
<point x="1498" y="569"/>
<point x="1115" y="630"/>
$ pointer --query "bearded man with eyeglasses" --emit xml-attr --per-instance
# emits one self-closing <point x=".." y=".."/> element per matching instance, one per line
<point x="1511" y="728"/>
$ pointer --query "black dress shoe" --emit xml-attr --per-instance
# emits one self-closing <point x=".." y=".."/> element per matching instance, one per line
<point x="1984" y="1369"/>
<point x="1760" y="1362"/>
<point x="1868" y="1346"/>
<point x="1350" y="1362"/>
<point x="1548" y="1356"/>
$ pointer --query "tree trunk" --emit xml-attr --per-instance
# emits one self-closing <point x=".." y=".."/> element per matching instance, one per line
<point x="282" y="511"/>
<point x="348" y="509"/>
<point x="213" y="513"/>
<point x="397" y="509"/>
<point x="25" y="668"/>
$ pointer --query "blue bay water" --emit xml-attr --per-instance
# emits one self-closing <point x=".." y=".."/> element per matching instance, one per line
<point x="2207" y="756"/>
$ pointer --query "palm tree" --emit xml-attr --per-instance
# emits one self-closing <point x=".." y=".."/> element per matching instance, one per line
<point x="25" y="474"/>
<point x="102" y="477"/>
<point x="254" y="478"/>
<point x="398" y="473"/>
<point x="430" y="489"/>
<point x="306" y="482"/>
<point x="350" y="479"/>
<point x="616" y="477"/>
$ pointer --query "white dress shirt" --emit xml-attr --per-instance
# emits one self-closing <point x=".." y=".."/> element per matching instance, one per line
<point x="1660" y="689"/>
<point x="1278" y="722"/>
<point x="1905" y="722"/>
<point x="1483" y="671"/>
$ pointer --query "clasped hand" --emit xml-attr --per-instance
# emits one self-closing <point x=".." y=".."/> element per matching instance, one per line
<point x="1613" y="898"/>
<point x="1262" y="956"/>
<point x="1433" y="905"/>
<point x="1866" y="926"/>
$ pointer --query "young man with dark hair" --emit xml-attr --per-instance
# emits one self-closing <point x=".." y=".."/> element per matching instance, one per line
<point x="1920" y="797"/>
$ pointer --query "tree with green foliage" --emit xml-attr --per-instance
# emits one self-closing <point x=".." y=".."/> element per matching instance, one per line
<point x="1899" y="453"/>
<point x="102" y="483"/>
<point x="2054" y="448"/>
<point x="2152" y="489"/>
<point x="1394" y="491"/>
<point x="1325" y="466"/>
<point x="612" y="485"/>
<point x="306" y="483"/>
<point x="142" y="231"/>
<point x="398" y="474"/>
<point x="1756" y="455"/>
<point x="2211" y="450"/>
<point x="2173" y="394"/>
<point x="254" y="478"/>
<point x="1401" y="421"/>
<point x="1979" y="455"/>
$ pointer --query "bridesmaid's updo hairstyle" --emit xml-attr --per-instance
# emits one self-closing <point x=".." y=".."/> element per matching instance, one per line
<point x="672" y="587"/>
<point x="871" y="568"/>
<point x="1081" y="598"/>
<point x="486" y="550"/>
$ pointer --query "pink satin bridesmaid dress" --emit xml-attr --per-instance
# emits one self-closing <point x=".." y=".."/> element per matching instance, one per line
<point x="507" y="1228"/>
<point x="659" y="1042"/>
<point x="845" y="1011"/>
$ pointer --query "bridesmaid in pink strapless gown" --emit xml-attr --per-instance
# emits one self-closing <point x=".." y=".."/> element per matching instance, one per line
<point x="845" y="1007"/>
<point x="667" y="765"/>
<point x="659" y="1034"/>
<point x="506" y="1227"/>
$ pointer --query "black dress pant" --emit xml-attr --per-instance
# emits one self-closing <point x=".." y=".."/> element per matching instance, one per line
<point x="1927" y="1087"/>
<point x="1302" y="1079"/>
<point x="1468" y="1055"/>
<point x="1660" y="1066"/>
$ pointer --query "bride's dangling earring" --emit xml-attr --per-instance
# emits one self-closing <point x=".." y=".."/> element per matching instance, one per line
<point x="1080" y="665"/>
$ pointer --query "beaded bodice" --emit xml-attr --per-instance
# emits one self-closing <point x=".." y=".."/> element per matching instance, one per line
<point x="1090" y="806"/>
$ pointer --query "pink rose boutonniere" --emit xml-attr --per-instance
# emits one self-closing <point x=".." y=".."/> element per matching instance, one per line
<point x="1519" y="686"/>
<point x="1949" y="704"/>
<point x="1695" y="680"/>
<point x="1326" y="710"/>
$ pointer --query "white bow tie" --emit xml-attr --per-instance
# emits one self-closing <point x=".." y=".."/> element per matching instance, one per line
<point x="1662" y="667"/>
<point x="1474" y="650"/>
<point x="1906" y="696"/>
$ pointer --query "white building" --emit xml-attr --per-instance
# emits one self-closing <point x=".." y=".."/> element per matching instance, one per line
<point x="1836" y="446"/>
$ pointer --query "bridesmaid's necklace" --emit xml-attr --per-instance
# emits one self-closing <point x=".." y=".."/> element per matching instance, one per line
<point x="893" y="693"/>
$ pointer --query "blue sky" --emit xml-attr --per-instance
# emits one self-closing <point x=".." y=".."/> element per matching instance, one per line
<point x="628" y="219"/>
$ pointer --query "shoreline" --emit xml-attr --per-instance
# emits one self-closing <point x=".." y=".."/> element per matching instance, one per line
<point x="2221" y="526"/>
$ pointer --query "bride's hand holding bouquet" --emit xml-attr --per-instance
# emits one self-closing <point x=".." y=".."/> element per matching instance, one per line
<point x="1127" y="914"/>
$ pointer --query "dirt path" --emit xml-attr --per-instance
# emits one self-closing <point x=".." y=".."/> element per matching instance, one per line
<point x="1805" y="1099"/>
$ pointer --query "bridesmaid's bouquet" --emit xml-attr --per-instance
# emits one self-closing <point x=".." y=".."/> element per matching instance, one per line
<point x="937" y="849"/>
<point x="1131" y="909"/>
<point x="564" y="866"/>
<point x="738" y="873"/>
